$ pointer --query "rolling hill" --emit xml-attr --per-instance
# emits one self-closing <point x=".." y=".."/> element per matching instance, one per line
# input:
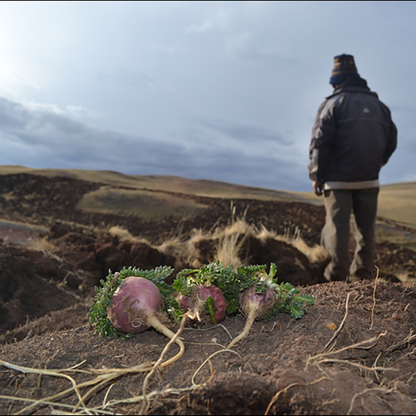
<point x="138" y="193"/>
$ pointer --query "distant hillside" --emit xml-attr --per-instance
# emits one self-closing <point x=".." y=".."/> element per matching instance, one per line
<point x="200" y="187"/>
<point x="397" y="202"/>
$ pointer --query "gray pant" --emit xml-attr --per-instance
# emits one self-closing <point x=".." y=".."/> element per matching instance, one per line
<point x="339" y="203"/>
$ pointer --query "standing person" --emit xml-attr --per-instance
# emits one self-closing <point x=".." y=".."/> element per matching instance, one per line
<point x="352" y="138"/>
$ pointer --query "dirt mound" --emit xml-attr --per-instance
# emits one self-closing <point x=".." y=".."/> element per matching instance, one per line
<point x="50" y="267"/>
<point x="284" y="366"/>
<point x="24" y="295"/>
<point x="37" y="282"/>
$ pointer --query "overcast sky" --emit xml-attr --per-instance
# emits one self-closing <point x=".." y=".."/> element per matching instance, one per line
<point x="205" y="90"/>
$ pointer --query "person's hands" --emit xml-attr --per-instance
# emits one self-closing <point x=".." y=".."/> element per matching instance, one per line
<point x="318" y="188"/>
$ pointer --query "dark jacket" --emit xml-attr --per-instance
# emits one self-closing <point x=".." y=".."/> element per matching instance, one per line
<point x="353" y="136"/>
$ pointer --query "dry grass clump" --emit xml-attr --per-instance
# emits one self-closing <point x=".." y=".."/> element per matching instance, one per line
<point x="230" y="241"/>
<point x="39" y="244"/>
<point x="265" y="234"/>
<point x="314" y="254"/>
<point x="404" y="277"/>
<point x="184" y="252"/>
<point x="225" y="244"/>
<point x="123" y="235"/>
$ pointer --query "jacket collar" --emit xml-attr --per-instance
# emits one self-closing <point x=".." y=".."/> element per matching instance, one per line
<point x="342" y="89"/>
<point x="353" y="84"/>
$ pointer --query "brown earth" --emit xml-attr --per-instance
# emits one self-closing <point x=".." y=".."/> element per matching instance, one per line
<point x="49" y="268"/>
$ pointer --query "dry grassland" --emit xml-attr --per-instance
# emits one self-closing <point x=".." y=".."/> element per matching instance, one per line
<point x="198" y="187"/>
<point x="397" y="202"/>
<point x="133" y="201"/>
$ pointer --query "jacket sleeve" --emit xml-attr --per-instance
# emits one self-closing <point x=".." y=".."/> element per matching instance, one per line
<point x="323" y="135"/>
<point x="391" y="143"/>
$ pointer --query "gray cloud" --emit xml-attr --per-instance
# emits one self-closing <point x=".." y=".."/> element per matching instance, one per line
<point x="245" y="47"/>
<point x="264" y="171"/>
<point x="216" y="19"/>
<point x="244" y="132"/>
<point x="75" y="141"/>
<point x="55" y="140"/>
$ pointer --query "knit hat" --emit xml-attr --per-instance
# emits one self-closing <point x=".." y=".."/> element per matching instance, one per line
<point x="344" y="68"/>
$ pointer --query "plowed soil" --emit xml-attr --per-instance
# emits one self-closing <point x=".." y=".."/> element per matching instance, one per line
<point x="352" y="353"/>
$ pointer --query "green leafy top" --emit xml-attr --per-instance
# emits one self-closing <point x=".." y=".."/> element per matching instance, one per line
<point x="216" y="274"/>
<point x="291" y="302"/>
<point x="105" y="293"/>
<point x="233" y="283"/>
<point x="288" y="298"/>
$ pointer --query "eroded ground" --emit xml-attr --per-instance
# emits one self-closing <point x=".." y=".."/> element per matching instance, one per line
<point x="352" y="353"/>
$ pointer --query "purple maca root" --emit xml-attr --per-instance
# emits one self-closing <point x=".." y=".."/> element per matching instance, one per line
<point x="135" y="304"/>
<point x="255" y="306"/>
<point x="195" y="303"/>
<point x="134" y="300"/>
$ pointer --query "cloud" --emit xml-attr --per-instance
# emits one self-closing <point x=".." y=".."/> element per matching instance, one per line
<point x="8" y="76"/>
<point x="272" y="171"/>
<point x="245" y="133"/>
<point x="409" y="178"/>
<point x="70" y="140"/>
<point x="38" y="138"/>
<point x="218" y="19"/>
<point x="132" y="79"/>
<point x="244" y="46"/>
<point x="78" y="111"/>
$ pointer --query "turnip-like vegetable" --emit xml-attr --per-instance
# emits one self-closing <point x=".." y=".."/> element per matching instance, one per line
<point x="262" y="298"/>
<point x="135" y="303"/>
<point x="129" y="301"/>
<point x="205" y="300"/>
<point x="211" y="290"/>
<point x="255" y="305"/>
